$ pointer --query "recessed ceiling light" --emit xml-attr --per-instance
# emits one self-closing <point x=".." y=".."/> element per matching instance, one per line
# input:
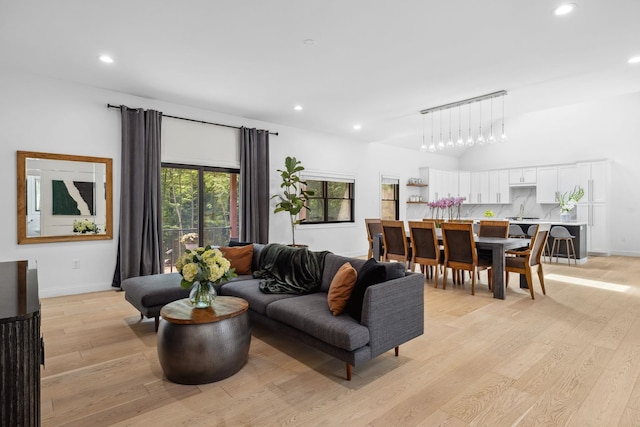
<point x="106" y="58"/>
<point x="564" y="9"/>
<point x="298" y="108"/>
<point x="634" y="60"/>
<point x="309" y="42"/>
<point x="357" y="127"/>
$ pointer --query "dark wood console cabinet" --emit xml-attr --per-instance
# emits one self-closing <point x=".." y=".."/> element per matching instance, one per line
<point x="21" y="346"/>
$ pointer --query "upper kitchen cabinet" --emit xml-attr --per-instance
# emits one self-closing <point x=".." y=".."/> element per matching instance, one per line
<point x="547" y="184"/>
<point x="464" y="185"/>
<point x="552" y="179"/>
<point x="592" y="177"/>
<point x="442" y="184"/>
<point x="499" y="187"/>
<point x="522" y="176"/>
<point x="567" y="178"/>
<point x="479" y="188"/>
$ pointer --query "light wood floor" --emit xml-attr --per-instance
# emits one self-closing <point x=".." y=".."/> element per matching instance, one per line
<point x="571" y="357"/>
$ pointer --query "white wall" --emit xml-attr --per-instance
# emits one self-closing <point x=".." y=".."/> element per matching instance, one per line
<point x="45" y="115"/>
<point x="602" y="129"/>
<point x="38" y="114"/>
<point x="321" y="153"/>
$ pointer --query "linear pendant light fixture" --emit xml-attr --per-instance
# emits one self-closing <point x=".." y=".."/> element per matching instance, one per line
<point x="480" y="139"/>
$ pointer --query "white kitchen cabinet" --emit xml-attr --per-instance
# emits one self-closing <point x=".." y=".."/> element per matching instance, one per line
<point x="592" y="177"/>
<point x="453" y="183"/>
<point x="479" y="187"/>
<point x="442" y="184"/>
<point x="522" y="176"/>
<point x="464" y="185"/>
<point x="435" y="184"/>
<point x="499" y="187"/>
<point x="592" y="208"/>
<point x="546" y="184"/>
<point x="567" y="178"/>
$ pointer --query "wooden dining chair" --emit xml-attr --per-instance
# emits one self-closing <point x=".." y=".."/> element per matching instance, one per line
<point x="396" y="246"/>
<point x="531" y="231"/>
<point x="373" y="227"/>
<point x="490" y="228"/>
<point x="460" y="252"/>
<point x="523" y="262"/>
<point x="425" y="248"/>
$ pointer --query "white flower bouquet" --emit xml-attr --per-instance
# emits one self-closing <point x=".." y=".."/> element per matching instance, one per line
<point x="85" y="226"/>
<point x="569" y="201"/>
<point x="189" y="238"/>
<point x="204" y="265"/>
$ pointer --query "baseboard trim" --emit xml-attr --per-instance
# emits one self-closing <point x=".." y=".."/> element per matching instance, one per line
<point x="626" y="253"/>
<point x="74" y="290"/>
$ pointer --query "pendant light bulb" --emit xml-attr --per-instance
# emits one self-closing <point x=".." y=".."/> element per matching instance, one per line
<point x="460" y="141"/>
<point x="492" y="138"/>
<point x="450" y="143"/>
<point x="480" y="139"/>
<point x="470" y="141"/>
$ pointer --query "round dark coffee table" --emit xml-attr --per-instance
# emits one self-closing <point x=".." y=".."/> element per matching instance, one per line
<point x="202" y="345"/>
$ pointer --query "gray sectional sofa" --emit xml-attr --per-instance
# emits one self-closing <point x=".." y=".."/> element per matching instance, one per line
<point x="392" y="313"/>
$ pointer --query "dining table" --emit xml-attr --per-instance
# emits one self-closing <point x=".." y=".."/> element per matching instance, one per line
<point x="497" y="246"/>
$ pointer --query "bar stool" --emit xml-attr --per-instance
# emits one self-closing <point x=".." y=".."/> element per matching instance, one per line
<point x="516" y="231"/>
<point x="560" y="234"/>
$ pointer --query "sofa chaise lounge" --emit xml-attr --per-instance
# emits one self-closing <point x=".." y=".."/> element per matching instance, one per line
<point x="392" y="311"/>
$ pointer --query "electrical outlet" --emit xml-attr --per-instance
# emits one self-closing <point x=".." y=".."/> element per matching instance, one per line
<point x="75" y="264"/>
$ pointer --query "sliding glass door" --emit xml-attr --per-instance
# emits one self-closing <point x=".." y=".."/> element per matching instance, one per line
<point x="199" y="208"/>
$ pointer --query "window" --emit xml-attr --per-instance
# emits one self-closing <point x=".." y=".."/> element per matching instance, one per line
<point x="201" y="200"/>
<point x="390" y="203"/>
<point x="331" y="202"/>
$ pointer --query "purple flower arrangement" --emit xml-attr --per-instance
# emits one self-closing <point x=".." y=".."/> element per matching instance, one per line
<point x="446" y="205"/>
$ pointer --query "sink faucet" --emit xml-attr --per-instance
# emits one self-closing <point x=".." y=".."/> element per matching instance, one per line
<point x="521" y="214"/>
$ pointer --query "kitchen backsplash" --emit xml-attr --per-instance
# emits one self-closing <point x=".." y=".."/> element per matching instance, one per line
<point x="525" y="196"/>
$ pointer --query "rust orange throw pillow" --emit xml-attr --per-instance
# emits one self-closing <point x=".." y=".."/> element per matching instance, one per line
<point x="240" y="257"/>
<point x="341" y="288"/>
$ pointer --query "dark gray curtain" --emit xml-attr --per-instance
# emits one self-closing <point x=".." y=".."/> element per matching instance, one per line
<point x="140" y="237"/>
<point x="254" y="185"/>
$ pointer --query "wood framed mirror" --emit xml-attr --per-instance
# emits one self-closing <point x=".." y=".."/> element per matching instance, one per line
<point x="64" y="198"/>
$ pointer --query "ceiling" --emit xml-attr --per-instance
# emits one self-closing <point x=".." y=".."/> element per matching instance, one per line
<point x="376" y="63"/>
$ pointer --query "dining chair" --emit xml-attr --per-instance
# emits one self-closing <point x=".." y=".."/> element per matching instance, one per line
<point x="396" y="246"/>
<point x="524" y="261"/>
<point x="374" y="227"/>
<point x="460" y="252"/>
<point x="490" y="228"/>
<point x="561" y="234"/>
<point x="531" y="231"/>
<point x="425" y="248"/>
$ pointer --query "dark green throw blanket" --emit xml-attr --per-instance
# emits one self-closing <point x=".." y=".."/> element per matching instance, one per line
<point x="286" y="270"/>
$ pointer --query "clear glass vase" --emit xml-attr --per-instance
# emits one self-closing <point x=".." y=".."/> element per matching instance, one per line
<point x="202" y="295"/>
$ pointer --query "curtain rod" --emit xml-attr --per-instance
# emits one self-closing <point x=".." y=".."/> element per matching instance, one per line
<point x="193" y="120"/>
<point x="464" y="102"/>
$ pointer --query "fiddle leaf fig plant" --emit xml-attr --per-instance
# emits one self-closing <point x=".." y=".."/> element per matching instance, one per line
<point x="294" y="194"/>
